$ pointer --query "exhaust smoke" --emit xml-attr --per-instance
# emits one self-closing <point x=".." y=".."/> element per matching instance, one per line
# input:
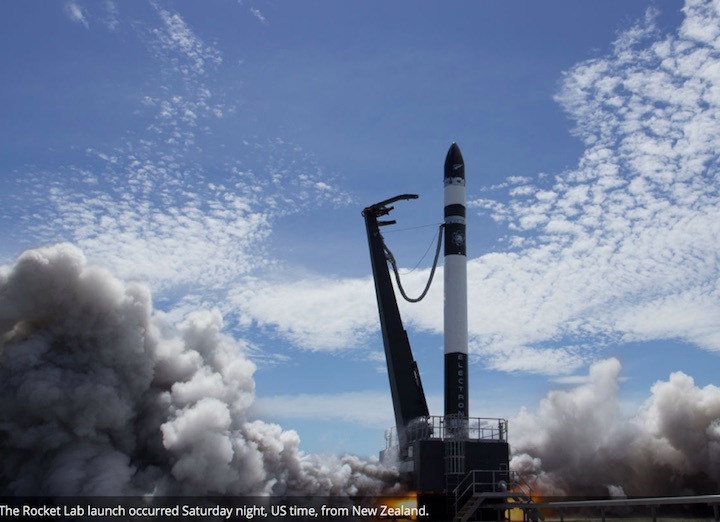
<point x="579" y="443"/>
<point x="101" y="395"/>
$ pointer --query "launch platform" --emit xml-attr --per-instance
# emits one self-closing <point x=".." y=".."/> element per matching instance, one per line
<point x="440" y="451"/>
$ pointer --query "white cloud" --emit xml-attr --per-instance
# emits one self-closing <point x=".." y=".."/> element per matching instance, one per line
<point x="315" y="314"/>
<point x="258" y="14"/>
<point x="111" y="19"/>
<point x="177" y="39"/>
<point x="207" y="239"/>
<point x="148" y="209"/>
<point x="76" y="13"/>
<point x="690" y="315"/>
<point x="368" y="408"/>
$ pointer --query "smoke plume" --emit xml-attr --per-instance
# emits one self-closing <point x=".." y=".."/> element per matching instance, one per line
<point x="100" y="395"/>
<point x="579" y="442"/>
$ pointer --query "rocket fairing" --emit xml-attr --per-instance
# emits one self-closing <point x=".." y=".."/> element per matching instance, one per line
<point x="455" y="299"/>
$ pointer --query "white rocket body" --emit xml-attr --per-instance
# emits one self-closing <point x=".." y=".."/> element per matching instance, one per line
<point x="455" y="298"/>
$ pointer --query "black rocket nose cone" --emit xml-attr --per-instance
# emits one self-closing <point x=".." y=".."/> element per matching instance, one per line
<point x="454" y="163"/>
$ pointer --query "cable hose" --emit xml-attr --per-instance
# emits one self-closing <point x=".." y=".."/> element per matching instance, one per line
<point x="390" y="257"/>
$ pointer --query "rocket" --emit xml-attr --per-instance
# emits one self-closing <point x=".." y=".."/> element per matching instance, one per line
<point x="455" y="297"/>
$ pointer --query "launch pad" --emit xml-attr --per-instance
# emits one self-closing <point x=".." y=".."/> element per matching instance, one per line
<point x="457" y="466"/>
<point x="457" y="463"/>
<point x="440" y="450"/>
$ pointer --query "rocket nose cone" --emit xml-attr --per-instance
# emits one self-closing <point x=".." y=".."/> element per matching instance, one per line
<point x="454" y="163"/>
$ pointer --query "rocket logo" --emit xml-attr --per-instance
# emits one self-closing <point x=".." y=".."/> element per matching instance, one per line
<point x="458" y="238"/>
<point x="457" y="166"/>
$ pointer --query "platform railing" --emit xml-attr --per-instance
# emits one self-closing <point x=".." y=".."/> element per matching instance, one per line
<point x="435" y="427"/>
<point x="484" y="481"/>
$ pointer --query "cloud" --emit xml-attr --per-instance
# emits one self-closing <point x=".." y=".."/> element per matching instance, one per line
<point x="160" y="219"/>
<point x="178" y="42"/>
<point x="111" y="19"/>
<point x="151" y="207"/>
<point x="76" y="13"/>
<point x="196" y="234"/>
<point x="258" y="14"/>
<point x="624" y="245"/>
<point x="315" y="314"/>
<point x="371" y="409"/>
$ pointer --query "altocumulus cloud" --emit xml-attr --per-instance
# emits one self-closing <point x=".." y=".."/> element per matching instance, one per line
<point x="625" y="246"/>
<point x="148" y="207"/>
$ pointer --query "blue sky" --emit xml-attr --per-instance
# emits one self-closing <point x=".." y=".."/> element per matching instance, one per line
<point x="221" y="153"/>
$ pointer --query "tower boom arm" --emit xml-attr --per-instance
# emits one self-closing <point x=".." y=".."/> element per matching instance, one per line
<point x="406" y="388"/>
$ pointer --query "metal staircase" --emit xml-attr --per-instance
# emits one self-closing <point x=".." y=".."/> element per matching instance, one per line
<point x="494" y="489"/>
<point x="469" y="508"/>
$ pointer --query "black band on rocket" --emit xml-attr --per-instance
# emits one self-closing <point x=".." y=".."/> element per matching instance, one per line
<point x="455" y="210"/>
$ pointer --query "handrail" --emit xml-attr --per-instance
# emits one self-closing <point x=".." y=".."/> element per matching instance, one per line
<point x="476" y="481"/>
<point x="435" y="427"/>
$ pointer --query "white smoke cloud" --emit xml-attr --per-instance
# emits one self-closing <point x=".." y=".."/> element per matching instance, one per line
<point x="101" y="395"/>
<point x="579" y="443"/>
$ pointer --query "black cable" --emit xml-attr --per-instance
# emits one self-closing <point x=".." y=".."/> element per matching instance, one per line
<point x="391" y="258"/>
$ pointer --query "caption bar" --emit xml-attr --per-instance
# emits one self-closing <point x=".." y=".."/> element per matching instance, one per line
<point x="122" y="509"/>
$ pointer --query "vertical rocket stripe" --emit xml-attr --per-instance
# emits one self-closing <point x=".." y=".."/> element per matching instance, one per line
<point x="455" y="274"/>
